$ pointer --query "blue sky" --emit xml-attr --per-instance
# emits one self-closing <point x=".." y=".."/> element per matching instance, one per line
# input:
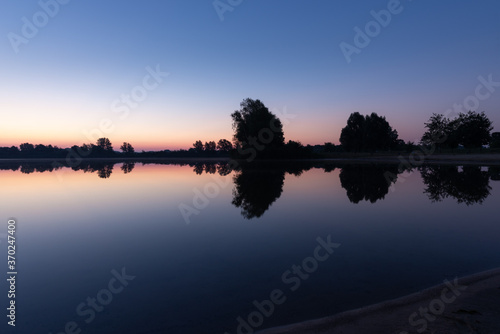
<point x="60" y="85"/>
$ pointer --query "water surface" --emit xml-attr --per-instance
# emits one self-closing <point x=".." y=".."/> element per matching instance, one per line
<point x="204" y="241"/>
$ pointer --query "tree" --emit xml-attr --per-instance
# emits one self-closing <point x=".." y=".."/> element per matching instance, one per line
<point x="256" y="129"/>
<point x="224" y="145"/>
<point x="472" y="129"/>
<point x="438" y="131"/>
<point x="210" y="147"/>
<point x="380" y="135"/>
<point x="198" y="146"/>
<point x="352" y="136"/>
<point x="368" y="133"/>
<point x="469" y="130"/>
<point x="104" y="144"/>
<point x="329" y="147"/>
<point x="127" y="148"/>
<point x="27" y="148"/>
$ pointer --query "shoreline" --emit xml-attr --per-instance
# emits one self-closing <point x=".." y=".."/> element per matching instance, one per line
<point x="474" y="310"/>
<point x="455" y="159"/>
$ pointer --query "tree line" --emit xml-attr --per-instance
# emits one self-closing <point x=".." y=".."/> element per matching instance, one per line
<point x="258" y="134"/>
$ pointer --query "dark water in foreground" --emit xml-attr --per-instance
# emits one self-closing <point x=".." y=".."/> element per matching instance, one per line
<point x="152" y="248"/>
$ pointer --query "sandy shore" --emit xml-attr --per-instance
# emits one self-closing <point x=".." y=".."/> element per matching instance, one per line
<point x="466" y="305"/>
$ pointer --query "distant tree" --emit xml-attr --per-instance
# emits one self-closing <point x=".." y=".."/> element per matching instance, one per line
<point x="329" y="147"/>
<point x="13" y="151"/>
<point x="210" y="147"/>
<point x="41" y="149"/>
<point x="198" y="146"/>
<point x="368" y="133"/>
<point x="27" y="148"/>
<point x="257" y="131"/>
<point x="104" y="144"/>
<point x="85" y="149"/>
<point x="295" y="149"/>
<point x="127" y="148"/>
<point x="410" y="146"/>
<point x="224" y="145"/>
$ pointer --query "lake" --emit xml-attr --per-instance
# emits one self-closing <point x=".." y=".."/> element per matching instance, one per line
<point x="203" y="247"/>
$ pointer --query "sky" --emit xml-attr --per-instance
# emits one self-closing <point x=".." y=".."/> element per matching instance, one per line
<point x="161" y="74"/>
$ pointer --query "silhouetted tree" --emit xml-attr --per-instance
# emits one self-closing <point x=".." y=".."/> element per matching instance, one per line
<point x="127" y="148"/>
<point x="27" y="148"/>
<point x="469" y="186"/>
<point x="9" y="152"/>
<point x="257" y="131"/>
<point x="295" y="149"/>
<point x="329" y="147"/>
<point x="367" y="182"/>
<point x="368" y="133"/>
<point x="410" y="146"/>
<point x="198" y="146"/>
<point x="438" y="131"/>
<point x="472" y="129"/>
<point x="224" y="145"/>
<point x="210" y="147"/>
<point x="104" y="144"/>
<point x="469" y="130"/>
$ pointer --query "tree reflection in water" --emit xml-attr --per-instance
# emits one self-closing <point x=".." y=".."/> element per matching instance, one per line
<point x="368" y="182"/>
<point x="469" y="184"/>
<point x="258" y="186"/>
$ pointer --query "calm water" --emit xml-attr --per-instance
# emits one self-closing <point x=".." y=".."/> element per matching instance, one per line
<point x="200" y="261"/>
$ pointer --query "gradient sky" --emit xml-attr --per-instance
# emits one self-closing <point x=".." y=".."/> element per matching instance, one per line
<point x="64" y="81"/>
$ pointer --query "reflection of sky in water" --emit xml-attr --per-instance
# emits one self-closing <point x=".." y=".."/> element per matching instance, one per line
<point x="199" y="278"/>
